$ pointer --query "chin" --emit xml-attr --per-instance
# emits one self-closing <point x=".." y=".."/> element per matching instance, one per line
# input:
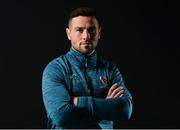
<point x="86" y="51"/>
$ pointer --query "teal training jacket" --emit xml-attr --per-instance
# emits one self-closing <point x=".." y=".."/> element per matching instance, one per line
<point x="89" y="79"/>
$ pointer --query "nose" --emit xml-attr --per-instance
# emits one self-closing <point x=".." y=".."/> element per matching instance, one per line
<point x="85" y="35"/>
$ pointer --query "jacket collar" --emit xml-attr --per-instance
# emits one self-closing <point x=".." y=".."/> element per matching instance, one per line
<point x="81" y="59"/>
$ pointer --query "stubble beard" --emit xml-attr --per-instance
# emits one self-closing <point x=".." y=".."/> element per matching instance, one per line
<point x="85" y="49"/>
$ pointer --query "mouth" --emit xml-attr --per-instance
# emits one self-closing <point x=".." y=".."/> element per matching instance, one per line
<point x="85" y="43"/>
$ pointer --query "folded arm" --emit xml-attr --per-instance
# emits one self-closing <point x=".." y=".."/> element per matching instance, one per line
<point x="116" y="106"/>
<point x="58" y="102"/>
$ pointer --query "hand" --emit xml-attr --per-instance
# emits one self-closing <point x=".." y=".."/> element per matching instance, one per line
<point x="115" y="91"/>
<point x="75" y="101"/>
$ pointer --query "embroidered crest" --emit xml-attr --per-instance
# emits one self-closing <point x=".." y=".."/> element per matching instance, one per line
<point x="103" y="80"/>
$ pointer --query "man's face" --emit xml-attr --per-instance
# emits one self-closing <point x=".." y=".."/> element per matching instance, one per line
<point x="84" y="33"/>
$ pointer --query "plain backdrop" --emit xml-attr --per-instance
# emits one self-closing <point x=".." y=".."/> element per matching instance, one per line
<point x="142" y="37"/>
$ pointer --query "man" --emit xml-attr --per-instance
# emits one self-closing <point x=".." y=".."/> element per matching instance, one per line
<point x="81" y="90"/>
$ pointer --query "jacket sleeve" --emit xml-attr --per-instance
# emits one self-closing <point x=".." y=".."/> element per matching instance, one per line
<point x="114" y="109"/>
<point x="57" y="101"/>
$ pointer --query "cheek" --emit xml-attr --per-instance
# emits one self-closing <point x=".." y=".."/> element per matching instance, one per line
<point x="75" y="41"/>
<point x="75" y="37"/>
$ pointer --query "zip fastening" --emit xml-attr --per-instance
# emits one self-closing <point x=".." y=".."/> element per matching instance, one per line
<point x="86" y="78"/>
<point x="85" y="63"/>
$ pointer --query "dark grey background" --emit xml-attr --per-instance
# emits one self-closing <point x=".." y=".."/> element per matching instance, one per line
<point x="142" y="37"/>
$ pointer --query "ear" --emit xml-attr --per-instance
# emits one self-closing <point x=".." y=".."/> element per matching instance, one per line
<point x="99" y="33"/>
<point x="68" y="33"/>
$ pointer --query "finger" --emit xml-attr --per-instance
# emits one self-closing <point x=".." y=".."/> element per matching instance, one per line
<point x="119" y="94"/>
<point x="116" y="91"/>
<point x="114" y="86"/>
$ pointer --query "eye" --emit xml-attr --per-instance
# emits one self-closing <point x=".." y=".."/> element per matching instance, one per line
<point x="79" y="30"/>
<point x="92" y="31"/>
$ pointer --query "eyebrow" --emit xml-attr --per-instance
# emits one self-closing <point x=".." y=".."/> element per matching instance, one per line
<point x="93" y="27"/>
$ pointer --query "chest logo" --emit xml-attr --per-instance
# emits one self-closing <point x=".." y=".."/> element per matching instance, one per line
<point x="103" y="80"/>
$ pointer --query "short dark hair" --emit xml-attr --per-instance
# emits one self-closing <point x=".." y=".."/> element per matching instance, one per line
<point x="82" y="11"/>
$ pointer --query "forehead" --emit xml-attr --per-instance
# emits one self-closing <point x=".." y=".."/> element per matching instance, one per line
<point x="82" y="21"/>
